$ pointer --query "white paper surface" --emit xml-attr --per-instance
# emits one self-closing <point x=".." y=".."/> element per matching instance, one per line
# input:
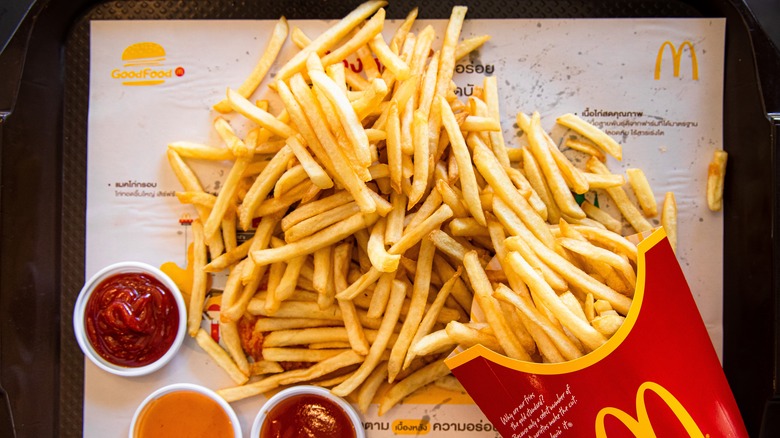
<point x="600" y="69"/>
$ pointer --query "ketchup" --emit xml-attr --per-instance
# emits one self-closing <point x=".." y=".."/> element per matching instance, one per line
<point x="307" y="416"/>
<point x="131" y="319"/>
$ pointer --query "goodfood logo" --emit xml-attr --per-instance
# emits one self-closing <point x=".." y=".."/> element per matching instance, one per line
<point x="144" y="64"/>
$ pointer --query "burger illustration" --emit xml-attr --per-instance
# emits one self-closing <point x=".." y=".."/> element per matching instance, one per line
<point x="144" y="64"/>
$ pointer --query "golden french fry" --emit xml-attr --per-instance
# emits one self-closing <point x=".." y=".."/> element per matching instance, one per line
<point x="468" y="45"/>
<point x="538" y="146"/>
<point x="597" y="254"/>
<point x="467" y="179"/>
<point x="199" y="280"/>
<point x="346" y="114"/>
<point x="586" y="148"/>
<point x="329" y="38"/>
<point x="272" y="49"/>
<point x="716" y="174"/>
<point x="220" y="356"/>
<point x="496" y="176"/>
<point x="262" y="367"/>
<point x="414" y="381"/>
<point x="389" y="59"/>
<point x="313" y="169"/>
<point x="362" y="37"/>
<point x="263" y="186"/>
<point x="200" y="151"/>
<point x="431" y="343"/>
<point x="311" y="243"/>
<point x="397" y="294"/>
<point x="316" y="223"/>
<point x="420" y="288"/>
<point x="626" y="207"/>
<point x="377" y="252"/>
<point x="429" y="319"/>
<point x="483" y="292"/>
<point x="560" y="348"/>
<point x="228" y="332"/>
<point x="564" y="267"/>
<point x="592" y="133"/>
<point x="281" y="354"/>
<point x="602" y="217"/>
<point x="370" y="387"/>
<point x="644" y="194"/>
<point x="669" y="219"/>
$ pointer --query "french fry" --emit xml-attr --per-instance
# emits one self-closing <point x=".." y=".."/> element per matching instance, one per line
<point x="262" y="367"/>
<point x="429" y="319"/>
<point x="498" y="179"/>
<point x="669" y="218"/>
<point x="421" y="286"/>
<point x="329" y="38"/>
<point x="309" y="226"/>
<point x="397" y="294"/>
<point x="199" y="280"/>
<point x="272" y="49"/>
<point x="642" y="190"/>
<point x="537" y="142"/>
<point x="592" y="133"/>
<point x="414" y="381"/>
<point x="623" y="203"/>
<point x="483" y="292"/>
<point x="467" y="179"/>
<point x="199" y="151"/>
<point x="602" y="217"/>
<point x="716" y="174"/>
<point x="220" y="356"/>
<point x="311" y="243"/>
<point x="370" y="386"/>
<point x="586" y="148"/>
<point x="228" y="331"/>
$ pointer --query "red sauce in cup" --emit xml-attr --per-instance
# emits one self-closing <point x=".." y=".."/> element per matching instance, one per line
<point x="307" y="416"/>
<point x="131" y="319"/>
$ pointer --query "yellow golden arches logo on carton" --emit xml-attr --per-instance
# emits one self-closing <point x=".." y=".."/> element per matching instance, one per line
<point x="143" y="65"/>
<point x="676" y="59"/>
<point x="641" y="426"/>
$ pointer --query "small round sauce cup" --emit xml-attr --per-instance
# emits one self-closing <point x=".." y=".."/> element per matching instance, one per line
<point x="130" y="319"/>
<point x="185" y="409"/>
<point x="312" y="410"/>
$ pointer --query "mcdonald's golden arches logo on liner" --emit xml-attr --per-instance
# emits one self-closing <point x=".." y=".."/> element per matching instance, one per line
<point x="144" y="64"/>
<point x="676" y="59"/>
<point x="641" y="426"/>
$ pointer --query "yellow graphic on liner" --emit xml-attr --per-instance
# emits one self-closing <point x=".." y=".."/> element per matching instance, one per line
<point x="641" y="426"/>
<point x="139" y="62"/>
<point x="411" y="427"/>
<point x="676" y="58"/>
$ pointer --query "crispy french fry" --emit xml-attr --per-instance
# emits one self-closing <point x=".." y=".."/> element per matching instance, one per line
<point x="716" y="174"/>
<point x="644" y="194"/>
<point x="414" y="381"/>
<point x="669" y="219"/>
<point x="592" y="133"/>
<point x="220" y="356"/>
<point x="397" y="294"/>
<point x="199" y="280"/>
<point x="272" y="49"/>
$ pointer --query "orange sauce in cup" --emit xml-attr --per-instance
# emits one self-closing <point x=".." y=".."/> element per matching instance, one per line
<point x="183" y="414"/>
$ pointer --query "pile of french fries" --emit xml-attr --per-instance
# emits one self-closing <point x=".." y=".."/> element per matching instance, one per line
<point x="383" y="208"/>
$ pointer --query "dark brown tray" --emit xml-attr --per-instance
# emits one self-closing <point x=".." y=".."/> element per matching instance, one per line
<point x="43" y="192"/>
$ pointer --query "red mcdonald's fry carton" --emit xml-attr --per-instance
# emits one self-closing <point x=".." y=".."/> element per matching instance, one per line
<point x="658" y="376"/>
